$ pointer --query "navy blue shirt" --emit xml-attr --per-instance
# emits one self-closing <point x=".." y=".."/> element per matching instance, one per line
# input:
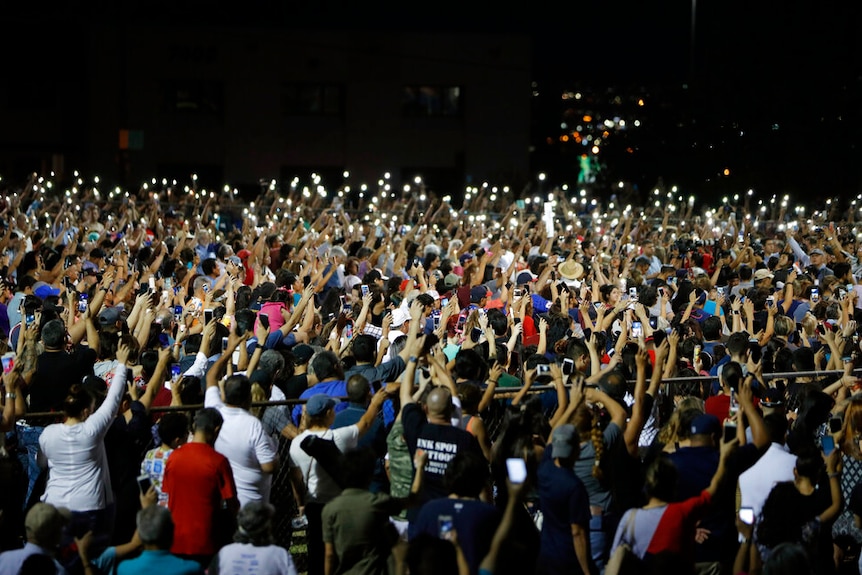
<point x="564" y="502"/>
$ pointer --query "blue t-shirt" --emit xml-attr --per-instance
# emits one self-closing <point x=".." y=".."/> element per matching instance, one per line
<point x="336" y="388"/>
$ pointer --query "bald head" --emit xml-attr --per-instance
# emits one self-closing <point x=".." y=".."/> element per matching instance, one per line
<point x="439" y="403"/>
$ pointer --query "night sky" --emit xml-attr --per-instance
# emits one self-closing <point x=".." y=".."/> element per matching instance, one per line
<point x="787" y="75"/>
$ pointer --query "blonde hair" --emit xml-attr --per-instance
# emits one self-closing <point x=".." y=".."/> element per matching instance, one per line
<point x="586" y="423"/>
<point x="257" y="394"/>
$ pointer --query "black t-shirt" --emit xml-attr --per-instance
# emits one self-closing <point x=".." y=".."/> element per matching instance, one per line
<point x="440" y="442"/>
<point x="56" y="372"/>
<point x="294" y="386"/>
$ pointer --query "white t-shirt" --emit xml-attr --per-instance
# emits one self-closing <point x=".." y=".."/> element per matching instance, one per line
<point x="246" y="445"/>
<point x="78" y="476"/>
<point x="321" y="488"/>
<point x="774" y="466"/>
<point x="241" y="558"/>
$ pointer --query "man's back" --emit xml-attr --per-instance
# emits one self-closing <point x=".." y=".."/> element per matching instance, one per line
<point x="246" y="445"/>
<point x="161" y="562"/>
<point x="777" y="464"/>
<point x="197" y="480"/>
<point x="440" y="442"/>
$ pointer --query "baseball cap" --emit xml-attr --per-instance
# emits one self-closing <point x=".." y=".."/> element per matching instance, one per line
<point x="465" y="258"/>
<point x="42" y="290"/>
<point x="433" y="293"/>
<point x="319" y="403"/>
<point x="705" y="424"/>
<point x="44" y="521"/>
<point x="399" y="316"/>
<point x="452" y="280"/>
<point x="762" y="274"/>
<point x="524" y="277"/>
<point x="564" y="441"/>
<point x="816" y="251"/>
<point x="477" y="293"/>
<point x="772" y="397"/>
<point x="109" y="316"/>
<point x="302" y="353"/>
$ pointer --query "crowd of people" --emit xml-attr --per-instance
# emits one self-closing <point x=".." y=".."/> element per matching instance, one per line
<point x="445" y="390"/>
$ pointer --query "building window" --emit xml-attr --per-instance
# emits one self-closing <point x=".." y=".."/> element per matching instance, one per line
<point x="426" y="101"/>
<point x="312" y="100"/>
<point x="194" y="97"/>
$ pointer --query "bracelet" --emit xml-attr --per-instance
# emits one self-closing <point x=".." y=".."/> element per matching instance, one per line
<point x="834" y="475"/>
<point x="11" y="395"/>
<point x="257" y="346"/>
<point x="413" y="358"/>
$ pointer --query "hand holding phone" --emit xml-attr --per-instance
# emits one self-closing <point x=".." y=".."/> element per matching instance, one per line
<point x="746" y="515"/>
<point x="144" y="483"/>
<point x="517" y="469"/>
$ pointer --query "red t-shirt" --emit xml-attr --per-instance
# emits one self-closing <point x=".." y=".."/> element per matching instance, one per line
<point x="197" y="480"/>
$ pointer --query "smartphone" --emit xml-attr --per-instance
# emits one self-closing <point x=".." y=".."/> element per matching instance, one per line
<point x="734" y="405"/>
<point x="208" y="316"/>
<point x="543" y="369"/>
<point x="175" y="372"/>
<point x="444" y="527"/>
<point x="568" y="366"/>
<point x="461" y="322"/>
<point x="517" y="469"/>
<point x="223" y="343"/>
<point x="178" y="313"/>
<point x="152" y="284"/>
<point x="815" y="295"/>
<point x="144" y="483"/>
<point x="167" y="284"/>
<point x="637" y="329"/>
<point x="264" y="320"/>
<point x="835" y="424"/>
<point x="8" y="362"/>
<point x="696" y="352"/>
<point x="746" y="515"/>
<point x="476" y="334"/>
<point x="633" y="293"/>
<point x="30" y="319"/>
<point x="444" y="301"/>
<point x="518" y="292"/>
<point x="164" y="341"/>
<point x="348" y="330"/>
<point x="755" y="351"/>
<point x="729" y="431"/>
<point x="660" y="292"/>
<point x="82" y="303"/>
<point x="720" y="290"/>
<point x="597" y="304"/>
<point x="827" y="444"/>
<point x="770" y="301"/>
<point x="364" y="289"/>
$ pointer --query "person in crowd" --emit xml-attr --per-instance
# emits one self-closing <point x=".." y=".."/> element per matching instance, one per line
<point x="251" y="452"/>
<point x="74" y="453"/>
<point x="310" y="478"/>
<point x="156" y="530"/>
<point x="253" y="549"/>
<point x="44" y="525"/>
<point x="201" y="492"/>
